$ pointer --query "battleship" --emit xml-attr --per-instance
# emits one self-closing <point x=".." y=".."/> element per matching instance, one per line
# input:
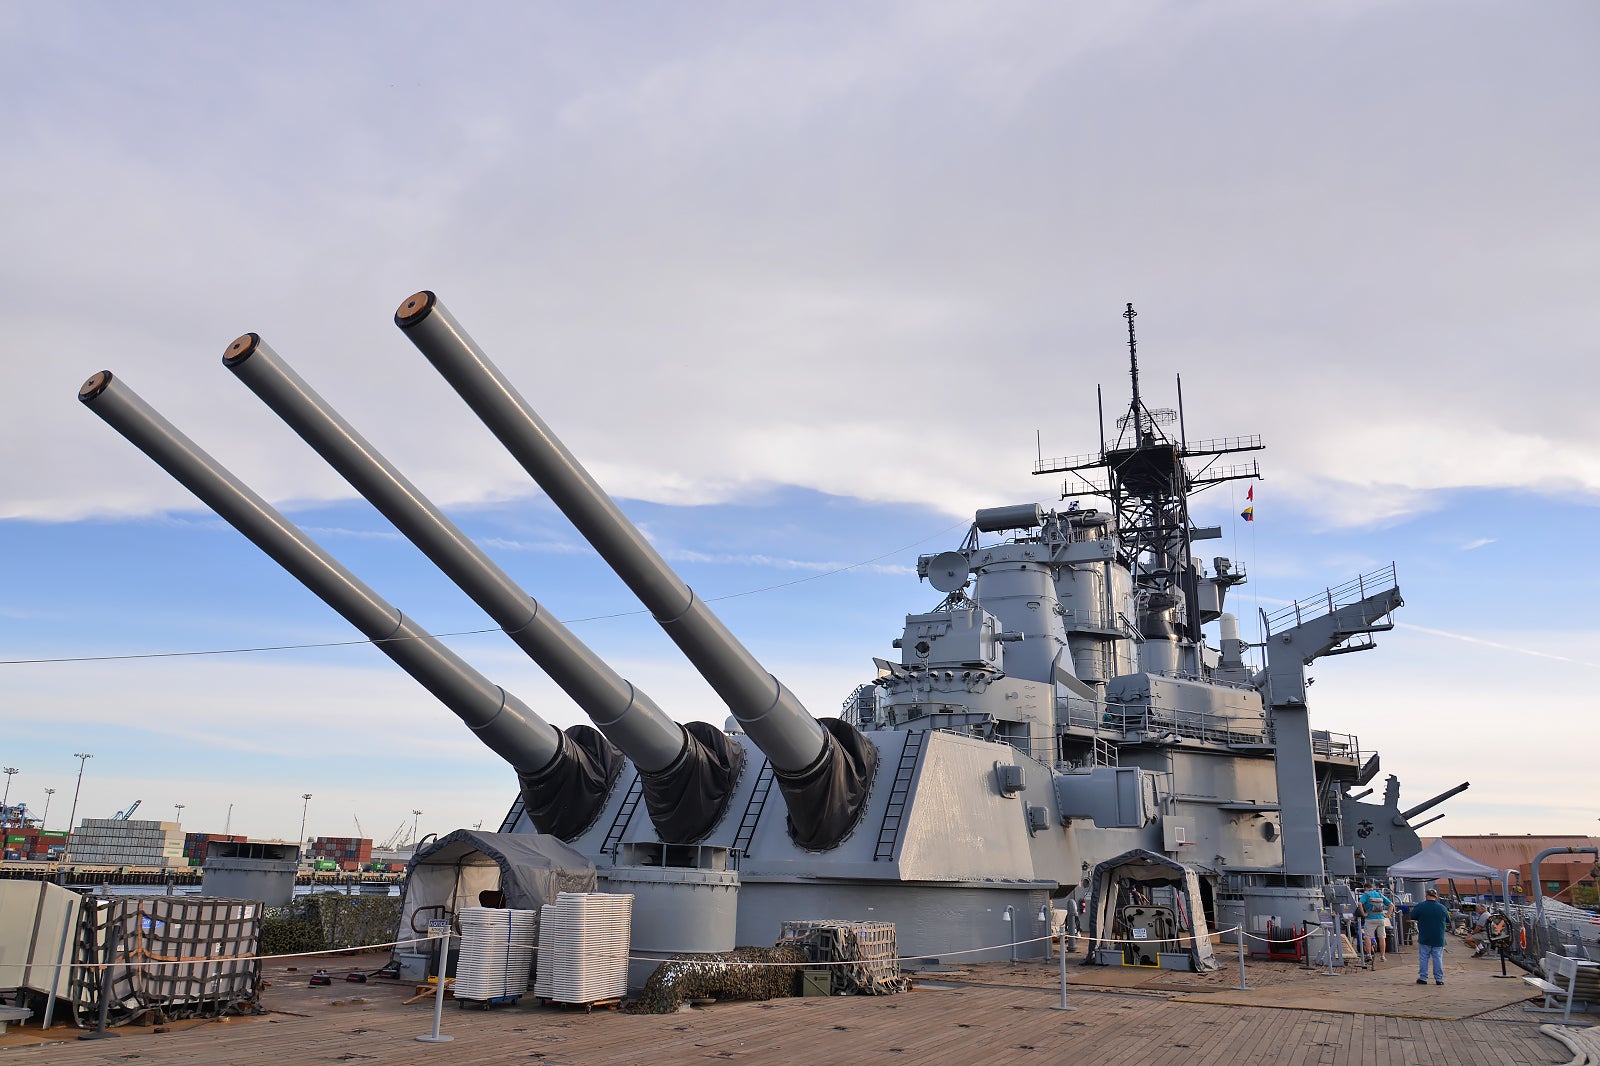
<point x="1076" y="726"/>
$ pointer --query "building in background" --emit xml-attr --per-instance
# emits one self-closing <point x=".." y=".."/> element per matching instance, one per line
<point x="1561" y="873"/>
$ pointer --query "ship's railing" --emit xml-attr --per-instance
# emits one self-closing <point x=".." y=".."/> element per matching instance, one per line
<point x="860" y="708"/>
<point x="1335" y="745"/>
<point x="1094" y="617"/>
<point x="1217" y="682"/>
<point x="1331" y="599"/>
<point x="1211" y="474"/>
<point x="1068" y="462"/>
<point x="1039" y="749"/>
<point x="1562" y="928"/>
<point x="1191" y="725"/>
<point x="1218" y="445"/>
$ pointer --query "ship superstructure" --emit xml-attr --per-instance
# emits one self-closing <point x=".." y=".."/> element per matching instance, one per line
<point x="1059" y="723"/>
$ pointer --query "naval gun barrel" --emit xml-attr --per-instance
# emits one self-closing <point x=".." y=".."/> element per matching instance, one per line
<point x="563" y="776"/>
<point x="824" y="770"/>
<point x="1427" y="805"/>
<point x="688" y="772"/>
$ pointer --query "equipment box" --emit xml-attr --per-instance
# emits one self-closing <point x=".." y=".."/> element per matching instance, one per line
<point x="816" y="982"/>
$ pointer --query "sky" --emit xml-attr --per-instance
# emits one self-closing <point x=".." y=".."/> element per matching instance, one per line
<point x="803" y="286"/>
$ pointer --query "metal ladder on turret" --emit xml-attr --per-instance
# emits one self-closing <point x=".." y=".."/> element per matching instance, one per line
<point x="513" y="814"/>
<point x="752" y="810"/>
<point x="625" y="812"/>
<point x="894" y="812"/>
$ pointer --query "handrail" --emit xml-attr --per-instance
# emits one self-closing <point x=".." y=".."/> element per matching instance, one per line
<point x="1333" y="598"/>
<point x="1224" y="444"/>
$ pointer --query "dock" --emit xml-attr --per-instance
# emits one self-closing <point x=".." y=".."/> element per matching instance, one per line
<point x="999" y="1013"/>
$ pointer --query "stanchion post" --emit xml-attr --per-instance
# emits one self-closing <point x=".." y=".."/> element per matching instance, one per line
<point x="1063" y="1005"/>
<point x="436" y="1037"/>
<point x="1242" y="986"/>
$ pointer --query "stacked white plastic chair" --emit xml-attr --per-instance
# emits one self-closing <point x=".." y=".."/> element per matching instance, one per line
<point x="496" y="953"/>
<point x="583" y="947"/>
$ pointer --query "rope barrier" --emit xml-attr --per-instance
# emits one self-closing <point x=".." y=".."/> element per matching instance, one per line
<point x="192" y="960"/>
<point x="1084" y="938"/>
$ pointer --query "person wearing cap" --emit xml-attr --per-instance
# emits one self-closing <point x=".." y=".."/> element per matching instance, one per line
<point x="1431" y="918"/>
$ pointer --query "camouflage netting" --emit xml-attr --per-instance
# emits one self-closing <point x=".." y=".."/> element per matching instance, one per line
<point x="327" y="921"/>
<point x="719" y="975"/>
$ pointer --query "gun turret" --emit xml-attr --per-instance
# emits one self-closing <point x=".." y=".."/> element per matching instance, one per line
<point x="1427" y="805"/>
<point x="824" y="768"/>
<point x="564" y="776"/>
<point x="688" y="772"/>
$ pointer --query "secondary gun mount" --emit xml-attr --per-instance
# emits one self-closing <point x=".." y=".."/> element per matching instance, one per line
<point x="688" y="772"/>
<point x="564" y="777"/>
<point x="824" y="768"/>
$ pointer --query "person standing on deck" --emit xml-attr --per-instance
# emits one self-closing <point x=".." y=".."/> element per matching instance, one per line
<point x="1375" y="912"/>
<point x="1431" y="918"/>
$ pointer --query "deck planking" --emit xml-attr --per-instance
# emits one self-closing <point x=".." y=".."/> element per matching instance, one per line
<point x="994" y="1013"/>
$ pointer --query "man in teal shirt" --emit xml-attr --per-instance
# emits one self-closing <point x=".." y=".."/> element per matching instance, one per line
<point x="1431" y="918"/>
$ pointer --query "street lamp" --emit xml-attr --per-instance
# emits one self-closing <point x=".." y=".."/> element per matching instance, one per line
<point x="44" y="822"/>
<point x="178" y="812"/>
<point x="301" y="843"/>
<point x="5" y="804"/>
<point x="72" y="819"/>
<point x="415" y="814"/>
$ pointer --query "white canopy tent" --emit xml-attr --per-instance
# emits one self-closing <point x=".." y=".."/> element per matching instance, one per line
<point x="1438" y="861"/>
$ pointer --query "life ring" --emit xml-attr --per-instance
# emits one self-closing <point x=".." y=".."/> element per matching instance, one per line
<point x="1522" y="940"/>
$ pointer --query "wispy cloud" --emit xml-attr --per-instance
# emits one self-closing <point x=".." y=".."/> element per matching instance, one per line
<point x="545" y="547"/>
<point x="1496" y="644"/>
<point x="777" y="563"/>
<point x="1472" y="545"/>
<point x="358" y="534"/>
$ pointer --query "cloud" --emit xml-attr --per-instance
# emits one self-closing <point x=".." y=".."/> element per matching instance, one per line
<point x="729" y="259"/>
<point x="1480" y="542"/>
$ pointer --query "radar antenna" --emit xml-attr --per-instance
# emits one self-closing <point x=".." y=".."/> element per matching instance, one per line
<point x="1141" y="418"/>
<point x="1148" y="477"/>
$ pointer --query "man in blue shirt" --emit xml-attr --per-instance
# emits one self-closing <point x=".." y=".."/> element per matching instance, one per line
<point x="1431" y="918"/>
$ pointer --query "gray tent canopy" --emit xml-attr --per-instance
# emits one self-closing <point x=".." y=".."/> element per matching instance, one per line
<point x="528" y="870"/>
<point x="1439" y="860"/>
<point x="1149" y="867"/>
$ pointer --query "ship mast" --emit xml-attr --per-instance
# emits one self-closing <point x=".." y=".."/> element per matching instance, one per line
<point x="1148" y="478"/>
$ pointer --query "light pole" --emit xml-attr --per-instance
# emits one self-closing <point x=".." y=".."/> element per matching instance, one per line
<point x="177" y="809"/>
<point x="72" y="819"/>
<point x="415" y="815"/>
<point x="44" y="822"/>
<point x="5" y="804"/>
<point x="301" y="843"/>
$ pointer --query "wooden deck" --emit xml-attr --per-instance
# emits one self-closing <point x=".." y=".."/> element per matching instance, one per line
<point x="992" y="1013"/>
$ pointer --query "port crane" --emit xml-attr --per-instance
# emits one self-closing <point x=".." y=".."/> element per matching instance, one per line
<point x="123" y="816"/>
